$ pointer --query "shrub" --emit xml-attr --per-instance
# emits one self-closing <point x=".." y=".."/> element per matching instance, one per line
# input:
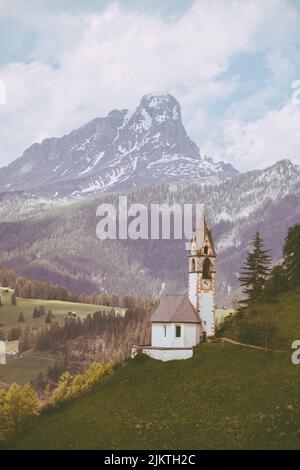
<point x="17" y="405"/>
<point x="70" y="387"/>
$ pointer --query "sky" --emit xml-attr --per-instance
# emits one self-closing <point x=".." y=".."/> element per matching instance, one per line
<point x="233" y="65"/>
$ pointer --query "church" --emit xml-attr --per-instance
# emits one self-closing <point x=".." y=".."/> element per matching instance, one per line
<point x="182" y="321"/>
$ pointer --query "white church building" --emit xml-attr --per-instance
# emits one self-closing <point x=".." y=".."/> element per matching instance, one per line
<point x="181" y="321"/>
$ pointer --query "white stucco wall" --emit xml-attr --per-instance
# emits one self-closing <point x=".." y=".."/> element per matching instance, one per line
<point x="2" y="352"/>
<point x="169" y="354"/>
<point x="165" y="354"/>
<point x="207" y="312"/>
<point x="193" y="289"/>
<point x="190" y="335"/>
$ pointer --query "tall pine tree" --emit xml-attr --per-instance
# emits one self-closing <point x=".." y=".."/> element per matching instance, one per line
<point x="255" y="272"/>
<point x="291" y="253"/>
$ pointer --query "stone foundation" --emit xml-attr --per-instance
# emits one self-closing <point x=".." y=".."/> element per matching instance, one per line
<point x="164" y="354"/>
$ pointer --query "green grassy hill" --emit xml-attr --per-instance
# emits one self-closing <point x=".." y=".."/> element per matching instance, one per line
<point x="225" y="397"/>
<point x="286" y="316"/>
<point x="9" y="313"/>
<point x="27" y="367"/>
<point x="284" y="313"/>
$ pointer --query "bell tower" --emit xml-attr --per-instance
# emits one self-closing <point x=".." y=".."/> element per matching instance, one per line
<point x="202" y="272"/>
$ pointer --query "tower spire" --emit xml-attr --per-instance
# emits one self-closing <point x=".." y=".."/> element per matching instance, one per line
<point x="202" y="269"/>
<point x="200" y="226"/>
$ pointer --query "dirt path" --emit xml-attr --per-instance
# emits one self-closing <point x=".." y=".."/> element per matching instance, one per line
<point x="252" y="346"/>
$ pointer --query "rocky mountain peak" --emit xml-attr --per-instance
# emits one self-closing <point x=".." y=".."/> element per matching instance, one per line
<point x="118" y="152"/>
<point x="161" y="107"/>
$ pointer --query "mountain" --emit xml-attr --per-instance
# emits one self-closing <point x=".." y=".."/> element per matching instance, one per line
<point x="59" y="244"/>
<point x="119" y="152"/>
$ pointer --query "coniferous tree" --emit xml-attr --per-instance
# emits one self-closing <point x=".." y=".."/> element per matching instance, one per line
<point x="40" y="383"/>
<point x="26" y="340"/>
<point x="14" y="299"/>
<point x="21" y="318"/>
<point x="277" y="282"/>
<point x="14" y="334"/>
<point x="48" y="317"/>
<point x="35" y="313"/>
<point x="291" y="253"/>
<point x="255" y="272"/>
<point x="42" y="310"/>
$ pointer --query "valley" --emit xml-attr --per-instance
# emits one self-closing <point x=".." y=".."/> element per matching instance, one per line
<point x="52" y="245"/>
<point x="9" y="314"/>
<point x="25" y="366"/>
<point x="150" y="229"/>
<point x="224" y="387"/>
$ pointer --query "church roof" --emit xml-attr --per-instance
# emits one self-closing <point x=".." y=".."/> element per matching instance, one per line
<point x="175" y="308"/>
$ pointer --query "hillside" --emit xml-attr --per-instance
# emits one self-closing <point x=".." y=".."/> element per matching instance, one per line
<point x="26" y="367"/>
<point x="9" y="313"/>
<point x="53" y="246"/>
<point x="284" y="313"/>
<point x="223" y="398"/>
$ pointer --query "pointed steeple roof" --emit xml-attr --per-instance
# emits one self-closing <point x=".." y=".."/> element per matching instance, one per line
<point x="207" y="233"/>
<point x="200" y="228"/>
<point x="200" y="233"/>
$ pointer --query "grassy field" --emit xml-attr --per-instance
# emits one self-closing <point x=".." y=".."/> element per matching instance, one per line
<point x="285" y="314"/>
<point x="222" y="313"/>
<point x="26" y="368"/>
<point x="225" y="397"/>
<point x="9" y="313"/>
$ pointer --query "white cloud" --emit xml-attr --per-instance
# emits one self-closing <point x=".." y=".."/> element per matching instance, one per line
<point x="112" y="58"/>
<point x="260" y="143"/>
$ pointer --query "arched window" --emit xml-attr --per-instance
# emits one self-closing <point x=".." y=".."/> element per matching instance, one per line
<point x="193" y="265"/>
<point x="206" y="250"/>
<point x="206" y="268"/>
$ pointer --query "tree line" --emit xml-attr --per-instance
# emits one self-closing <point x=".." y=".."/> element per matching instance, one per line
<point x="102" y="336"/>
<point x="259" y="281"/>
<point x="261" y="284"/>
<point x="29" y="289"/>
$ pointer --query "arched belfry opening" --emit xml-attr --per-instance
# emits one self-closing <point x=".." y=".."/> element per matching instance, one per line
<point x="206" y="250"/>
<point x="206" y="269"/>
<point x="193" y="265"/>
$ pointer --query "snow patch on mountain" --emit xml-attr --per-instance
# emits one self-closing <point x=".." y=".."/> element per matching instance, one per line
<point x="122" y="151"/>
